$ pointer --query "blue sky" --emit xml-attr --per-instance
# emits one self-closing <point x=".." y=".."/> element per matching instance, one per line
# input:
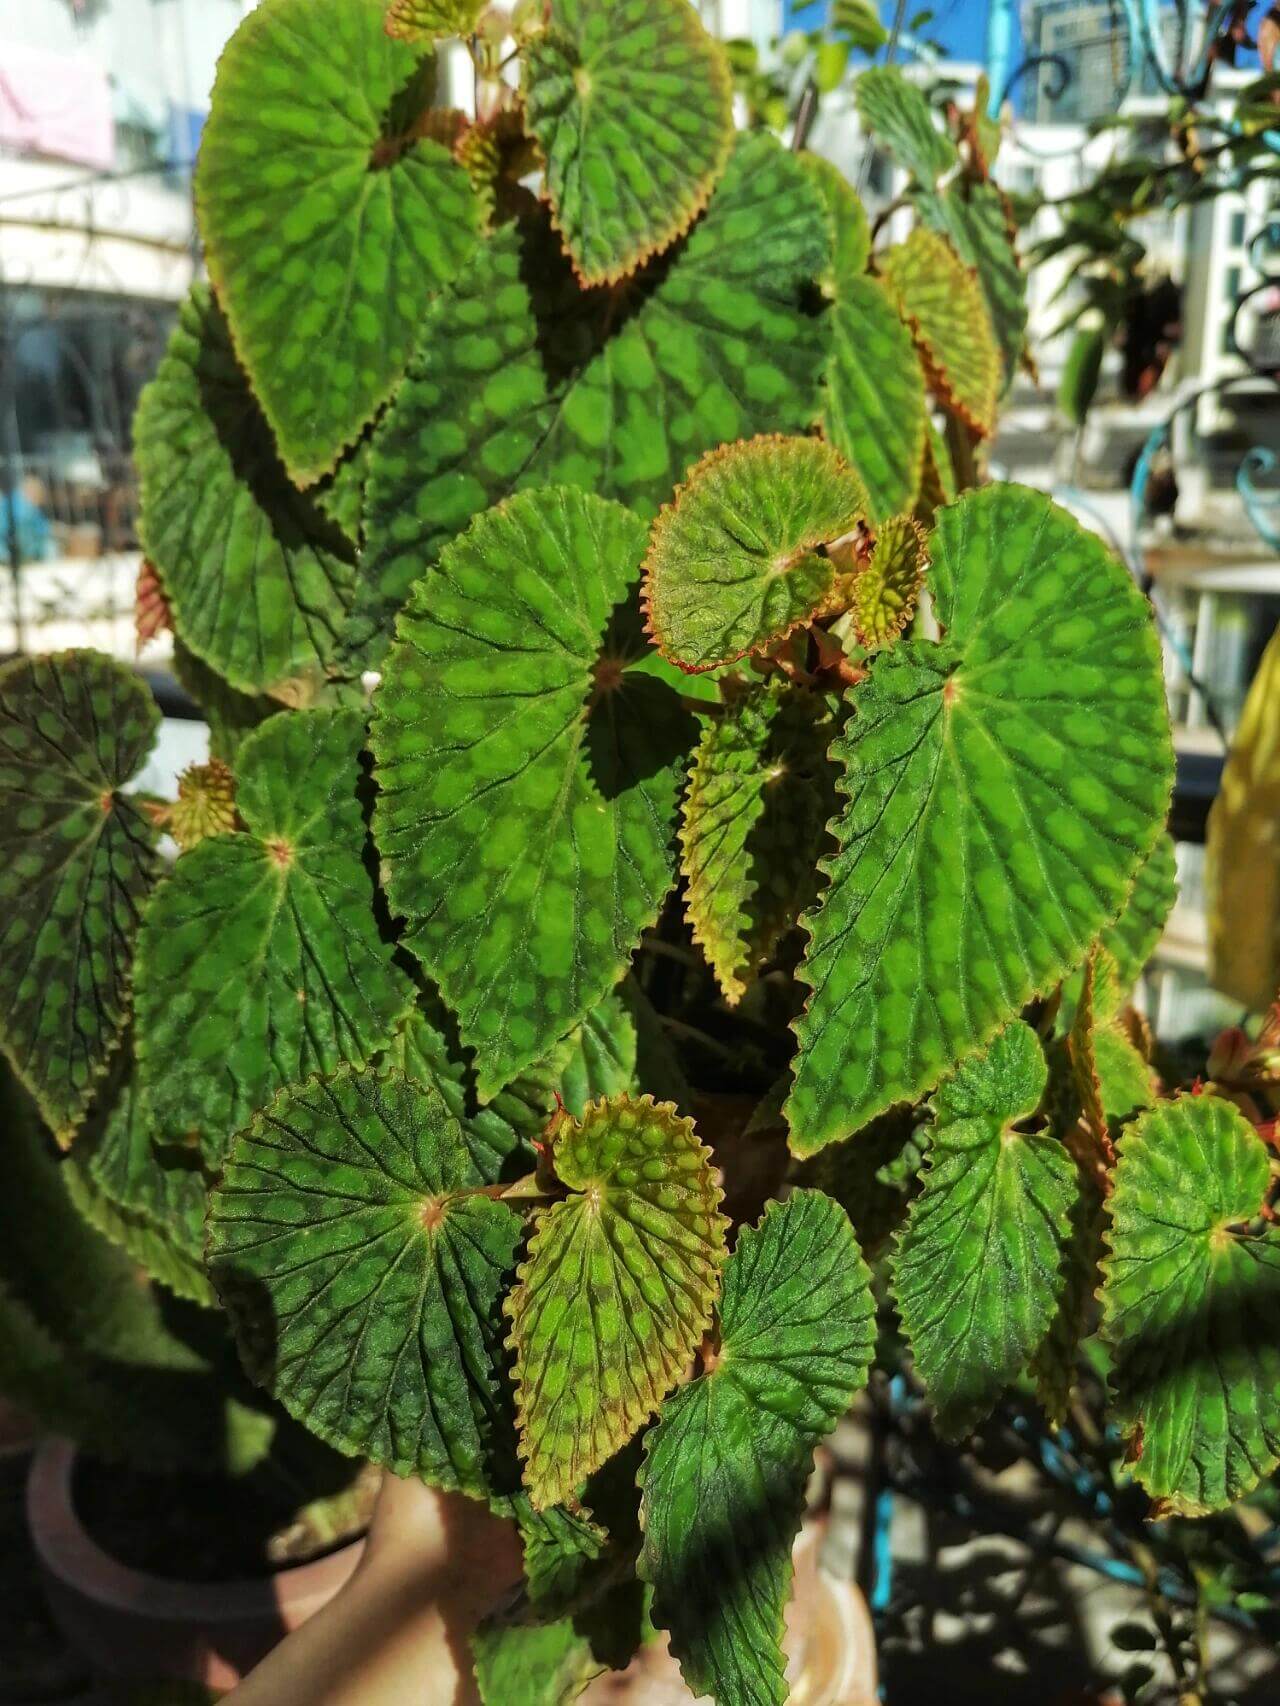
<point x="961" y="25"/>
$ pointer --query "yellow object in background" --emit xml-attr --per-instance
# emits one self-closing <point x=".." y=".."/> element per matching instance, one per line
<point x="1242" y="849"/>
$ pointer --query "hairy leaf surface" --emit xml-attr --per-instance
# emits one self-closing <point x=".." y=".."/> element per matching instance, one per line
<point x="261" y="959"/>
<point x="886" y="590"/>
<point x="1004" y="788"/>
<point x="733" y="563"/>
<point x="874" y="402"/>
<point x="760" y="793"/>
<point x="631" y="102"/>
<point x="977" y="225"/>
<point x="363" y="1280"/>
<point x="1189" y="1303"/>
<point x="617" y="1289"/>
<point x="726" y="1466"/>
<point x="899" y="114"/>
<point x="258" y="577"/>
<point x="527" y="776"/>
<point x="522" y="380"/>
<point x="77" y="861"/>
<point x="328" y="222"/>
<point x="981" y="1266"/>
<point x="941" y="300"/>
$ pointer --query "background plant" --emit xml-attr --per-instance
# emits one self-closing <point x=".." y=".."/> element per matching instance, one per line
<point x="737" y="755"/>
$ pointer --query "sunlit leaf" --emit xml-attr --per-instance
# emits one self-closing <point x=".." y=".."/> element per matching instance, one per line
<point x="726" y="1466"/>
<point x="874" y="399"/>
<point x="77" y="861"/>
<point x="847" y="223"/>
<point x="981" y="1266"/>
<point x="886" y="590"/>
<point x="941" y="300"/>
<point x="1189" y="1304"/>
<point x="328" y="224"/>
<point x="631" y="102"/>
<point x="522" y="380"/>
<point x="525" y="819"/>
<point x="261" y="958"/>
<point x="897" y="113"/>
<point x="617" y="1288"/>
<point x="977" y="224"/>
<point x="734" y="563"/>
<point x="1004" y="788"/>
<point x="431" y="20"/>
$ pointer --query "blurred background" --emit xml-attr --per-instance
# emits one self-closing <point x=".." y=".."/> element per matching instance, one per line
<point x="1151" y="409"/>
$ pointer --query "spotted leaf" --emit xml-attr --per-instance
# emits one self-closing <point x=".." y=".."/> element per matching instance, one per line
<point x="981" y="1267"/>
<point x="525" y="816"/>
<point x="432" y="20"/>
<point x="523" y="380"/>
<point x="1189" y="1300"/>
<point x="941" y="300"/>
<point x="631" y="102"/>
<point x="363" y="1275"/>
<point x="760" y="793"/>
<point x="847" y="224"/>
<point x="734" y="563"/>
<point x="874" y="398"/>
<point x="328" y="221"/>
<point x="1004" y="788"/>
<point x="257" y="576"/>
<point x="617" y="1289"/>
<point x="977" y="224"/>
<point x="726" y="1466"/>
<point x="261" y="959"/>
<point x="885" y="591"/>
<point x="77" y="861"/>
<point x="1129" y="941"/>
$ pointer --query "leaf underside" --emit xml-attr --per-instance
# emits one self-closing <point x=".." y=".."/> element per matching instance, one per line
<point x="257" y="576"/>
<point x="261" y="959"/>
<point x="617" y="1288"/>
<point x="754" y="824"/>
<point x="631" y="102"/>
<point x="363" y="1282"/>
<point x="981" y="1266"/>
<point x="523" y="380"/>
<point x="77" y="861"/>
<point x="1189" y="1302"/>
<point x="1003" y="789"/>
<point x="327" y="226"/>
<point x="941" y="300"/>
<point x="525" y="823"/>
<point x="732" y="564"/>
<point x="726" y="1465"/>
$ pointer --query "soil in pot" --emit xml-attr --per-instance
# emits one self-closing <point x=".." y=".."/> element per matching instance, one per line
<point x="195" y="1528"/>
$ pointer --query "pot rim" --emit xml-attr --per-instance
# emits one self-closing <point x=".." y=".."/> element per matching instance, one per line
<point x="69" y="1554"/>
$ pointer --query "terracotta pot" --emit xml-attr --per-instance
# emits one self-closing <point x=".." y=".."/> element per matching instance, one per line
<point x="830" y="1646"/>
<point x="130" y="1624"/>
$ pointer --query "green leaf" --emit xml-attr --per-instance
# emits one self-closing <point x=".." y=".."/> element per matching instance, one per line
<point x="328" y="223"/>
<point x="261" y="958"/>
<point x="77" y="860"/>
<point x="363" y="1277"/>
<point x="886" y="590"/>
<point x="830" y="62"/>
<point x="941" y="300"/>
<point x="522" y="381"/>
<point x="231" y="715"/>
<point x="1190" y="1295"/>
<point x="898" y="113"/>
<point x="257" y="576"/>
<point x="423" y="1053"/>
<point x="617" y="1288"/>
<point x="873" y="1175"/>
<point x="874" y="399"/>
<point x="432" y="20"/>
<point x="631" y="102"/>
<point x="733" y="564"/>
<point x="1130" y="940"/>
<point x="527" y="781"/>
<point x="1054" y="1365"/>
<point x="981" y="1265"/>
<point x="978" y="227"/>
<point x="860" y="21"/>
<point x="1004" y="788"/>
<point x="755" y="815"/>
<point x="725" y="1468"/>
<point x="847" y="224"/>
<point x="152" y="1206"/>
